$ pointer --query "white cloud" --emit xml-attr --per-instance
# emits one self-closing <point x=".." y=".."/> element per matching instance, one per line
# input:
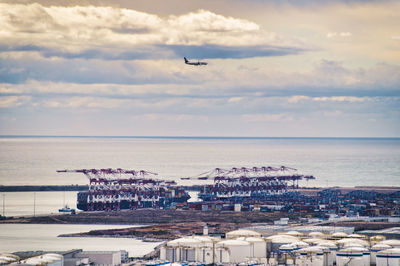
<point x="297" y="98"/>
<point x="331" y="35"/>
<point x="335" y="113"/>
<point x="13" y="101"/>
<point x="172" y="117"/>
<point x="340" y="99"/>
<point x="266" y="117"/>
<point x="235" y="99"/>
<point x="78" y="28"/>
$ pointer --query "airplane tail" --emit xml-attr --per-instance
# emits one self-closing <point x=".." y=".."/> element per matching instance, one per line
<point x="186" y="60"/>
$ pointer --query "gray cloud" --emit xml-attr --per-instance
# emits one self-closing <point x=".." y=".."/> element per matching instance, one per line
<point x="215" y="51"/>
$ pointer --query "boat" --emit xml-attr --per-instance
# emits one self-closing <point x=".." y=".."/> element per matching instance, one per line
<point x="67" y="209"/>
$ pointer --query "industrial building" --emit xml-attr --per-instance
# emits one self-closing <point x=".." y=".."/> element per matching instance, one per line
<point x="69" y="258"/>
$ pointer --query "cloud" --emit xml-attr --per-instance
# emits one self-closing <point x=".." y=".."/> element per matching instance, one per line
<point x="266" y="117"/>
<point x="339" y="99"/>
<point x="13" y="101"/>
<point x="297" y="98"/>
<point x="218" y="51"/>
<point x="120" y="33"/>
<point x="338" y="34"/>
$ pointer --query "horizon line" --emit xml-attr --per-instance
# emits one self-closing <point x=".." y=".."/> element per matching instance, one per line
<point x="187" y="137"/>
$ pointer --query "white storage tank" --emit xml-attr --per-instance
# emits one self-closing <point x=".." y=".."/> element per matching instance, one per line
<point x="388" y="257"/>
<point x="317" y="235"/>
<point x="279" y="240"/>
<point x="310" y="256"/>
<point x="313" y="241"/>
<point x="332" y="248"/>
<point x="181" y="249"/>
<point x="242" y="233"/>
<point x="349" y="257"/>
<point x="339" y="235"/>
<point x="375" y="249"/>
<point x="352" y="241"/>
<point x="395" y="243"/>
<point x="206" y="255"/>
<point x="293" y="233"/>
<point x="357" y="236"/>
<point x="238" y="250"/>
<point x="287" y="248"/>
<point x="258" y="246"/>
<point x="300" y="244"/>
<point x="376" y="239"/>
<point x="366" y="254"/>
<point x="286" y="252"/>
<point x="204" y="252"/>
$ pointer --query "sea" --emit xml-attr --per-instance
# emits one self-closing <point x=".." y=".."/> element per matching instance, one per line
<point x="34" y="160"/>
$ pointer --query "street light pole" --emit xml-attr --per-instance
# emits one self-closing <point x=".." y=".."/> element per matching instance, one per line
<point x="34" y="204"/>
<point x="4" y="204"/>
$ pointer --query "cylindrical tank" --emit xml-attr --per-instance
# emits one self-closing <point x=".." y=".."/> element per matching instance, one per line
<point x="388" y="257"/>
<point x="395" y="243"/>
<point x="287" y="248"/>
<point x="258" y="247"/>
<point x="239" y="250"/>
<point x="311" y="256"/>
<point x="366" y="254"/>
<point x="242" y="233"/>
<point x="331" y="246"/>
<point x="375" y="249"/>
<point x="352" y="241"/>
<point x="207" y="255"/>
<point x="293" y="233"/>
<point x="317" y="235"/>
<point x="312" y="241"/>
<point x="286" y="252"/>
<point x="349" y="257"/>
<point x="376" y="239"/>
<point x="300" y="244"/>
<point x="339" y="235"/>
<point x="181" y="249"/>
<point x="357" y="236"/>
<point x="204" y="251"/>
<point x="279" y="240"/>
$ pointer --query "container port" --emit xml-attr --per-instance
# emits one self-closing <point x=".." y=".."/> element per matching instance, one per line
<point x="116" y="189"/>
<point x="244" y="184"/>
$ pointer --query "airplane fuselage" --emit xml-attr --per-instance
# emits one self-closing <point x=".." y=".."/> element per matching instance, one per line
<point x="198" y="63"/>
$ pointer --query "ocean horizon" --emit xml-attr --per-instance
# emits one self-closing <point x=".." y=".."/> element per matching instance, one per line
<point x="194" y="137"/>
<point x="35" y="159"/>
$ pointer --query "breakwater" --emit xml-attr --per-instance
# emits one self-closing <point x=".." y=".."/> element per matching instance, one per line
<point x="43" y="188"/>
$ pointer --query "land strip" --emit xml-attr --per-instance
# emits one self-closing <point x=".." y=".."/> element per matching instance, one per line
<point x="154" y="216"/>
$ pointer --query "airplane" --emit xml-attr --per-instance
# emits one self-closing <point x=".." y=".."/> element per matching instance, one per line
<point x="198" y="63"/>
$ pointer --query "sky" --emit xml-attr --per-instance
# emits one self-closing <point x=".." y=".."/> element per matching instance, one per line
<point x="278" y="68"/>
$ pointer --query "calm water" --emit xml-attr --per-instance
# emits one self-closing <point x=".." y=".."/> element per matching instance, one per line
<point x="41" y="203"/>
<point x="30" y="237"/>
<point x="342" y="162"/>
